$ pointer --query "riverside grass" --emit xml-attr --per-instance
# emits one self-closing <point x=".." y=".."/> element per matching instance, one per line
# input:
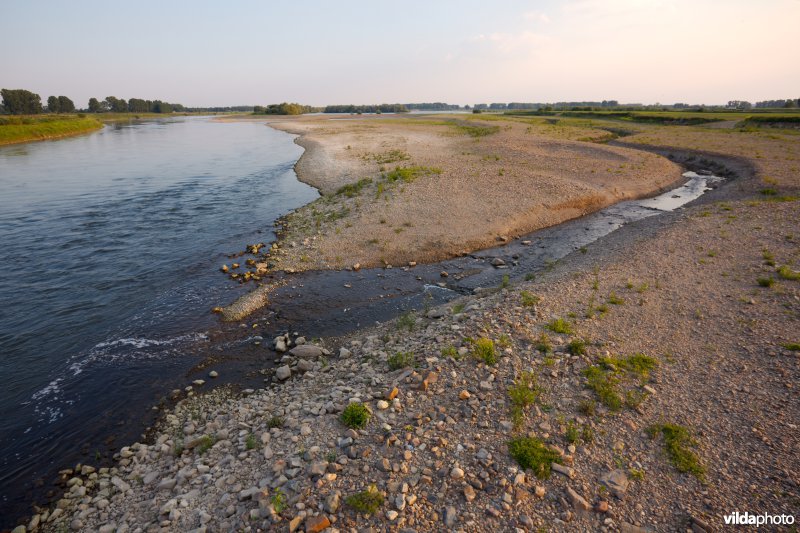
<point x="25" y="128"/>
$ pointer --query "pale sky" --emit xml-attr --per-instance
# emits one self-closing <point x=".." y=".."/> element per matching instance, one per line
<point x="203" y="53"/>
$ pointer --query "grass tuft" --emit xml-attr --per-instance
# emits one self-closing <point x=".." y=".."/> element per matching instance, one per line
<point x="401" y="360"/>
<point x="678" y="442"/>
<point x="559" y="325"/>
<point x="529" y="299"/>
<point x="483" y="350"/>
<point x="523" y="393"/>
<point x="355" y="416"/>
<point x="366" y="502"/>
<point x="532" y="453"/>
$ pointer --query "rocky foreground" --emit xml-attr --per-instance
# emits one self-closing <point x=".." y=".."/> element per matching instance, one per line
<point x="646" y="384"/>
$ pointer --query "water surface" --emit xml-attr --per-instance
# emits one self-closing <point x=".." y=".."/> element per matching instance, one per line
<point x="110" y="244"/>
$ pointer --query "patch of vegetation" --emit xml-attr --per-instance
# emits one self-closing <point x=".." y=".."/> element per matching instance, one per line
<point x="392" y="156"/>
<point x="27" y="128"/>
<point x="458" y="308"/>
<point x="474" y="130"/>
<point x="532" y="453"/>
<point x="279" y="501"/>
<point x="401" y="360"/>
<point x="409" y="174"/>
<point x="613" y="299"/>
<point x="766" y="282"/>
<point x="769" y="257"/>
<point x="406" y="321"/>
<point x="353" y="189"/>
<point x="366" y="502"/>
<point x="275" y="422"/>
<point x="529" y="299"/>
<point x="678" y="442"/>
<point x="355" y="416"/>
<point x="559" y="325"/>
<point x="604" y="379"/>
<point x="505" y="282"/>
<point x="636" y="474"/>
<point x="543" y="344"/>
<point x="577" y="347"/>
<point x="483" y="350"/>
<point x="588" y="407"/>
<point x="523" y="393"/>
<point x="787" y="273"/>
<point x="206" y="442"/>
<point x="792" y="346"/>
<point x="450" y="351"/>
<point x="251" y="442"/>
<point x="530" y="276"/>
<point x="579" y="433"/>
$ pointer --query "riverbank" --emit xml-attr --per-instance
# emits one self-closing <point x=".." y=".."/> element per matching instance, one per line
<point x="14" y="130"/>
<point x="398" y="190"/>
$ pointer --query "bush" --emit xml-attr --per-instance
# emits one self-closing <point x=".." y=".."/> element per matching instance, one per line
<point x="532" y="453"/>
<point x="577" y="347"/>
<point x="355" y="416"/>
<point x="559" y="325"/>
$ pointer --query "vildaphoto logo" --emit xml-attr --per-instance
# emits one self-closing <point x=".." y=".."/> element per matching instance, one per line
<point x="748" y="519"/>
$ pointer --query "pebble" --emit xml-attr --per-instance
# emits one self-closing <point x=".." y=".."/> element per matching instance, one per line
<point x="283" y="372"/>
<point x="213" y="374"/>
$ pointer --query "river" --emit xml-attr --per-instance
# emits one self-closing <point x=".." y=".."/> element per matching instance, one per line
<point x="110" y="244"/>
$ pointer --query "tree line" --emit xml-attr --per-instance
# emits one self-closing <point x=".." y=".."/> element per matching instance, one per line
<point x="23" y="102"/>
<point x="285" y="109"/>
<point x="382" y="108"/>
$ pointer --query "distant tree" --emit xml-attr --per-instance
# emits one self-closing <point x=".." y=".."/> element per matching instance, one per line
<point x="94" y="105"/>
<point x="116" y="105"/>
<point x="65" y="105"/>
<point x="137" y="105"/>
<point x="21" y="102"/>
<point x="53" y="104"/>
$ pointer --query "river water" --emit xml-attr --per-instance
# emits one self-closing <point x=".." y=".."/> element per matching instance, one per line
<point x="110" y="245"/>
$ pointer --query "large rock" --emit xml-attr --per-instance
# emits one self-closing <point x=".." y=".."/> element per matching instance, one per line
<point x="306" y="351"/>
<point x="283" y="372"/>
<point x="315" y="524"/>
<point x="616" y="481"/>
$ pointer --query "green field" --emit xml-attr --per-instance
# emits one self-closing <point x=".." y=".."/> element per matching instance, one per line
<point x="18" y="129"/>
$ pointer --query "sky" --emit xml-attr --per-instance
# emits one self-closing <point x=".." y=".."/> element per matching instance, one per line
<point x="316" y="52"/>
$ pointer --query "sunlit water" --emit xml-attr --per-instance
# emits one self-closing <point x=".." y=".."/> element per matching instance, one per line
<point x="110" y="244"/>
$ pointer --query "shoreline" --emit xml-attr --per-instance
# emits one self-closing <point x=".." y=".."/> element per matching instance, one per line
<point x="35" y="137"/>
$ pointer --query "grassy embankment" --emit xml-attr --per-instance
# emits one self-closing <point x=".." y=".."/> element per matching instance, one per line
<point x="19" y="129"/>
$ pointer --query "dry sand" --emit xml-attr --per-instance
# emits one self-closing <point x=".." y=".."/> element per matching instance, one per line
<point x="479" y="181"/>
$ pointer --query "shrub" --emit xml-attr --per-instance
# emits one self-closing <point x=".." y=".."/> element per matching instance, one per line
<point x="766" y="282"/>
<point x="206" y="442"/>
<point x="532" y="453"/>
<point x="787" y="273"/>
<point x="275" y="422"/>
<point x="577" y="347"/>
<point x="523" y="393"/>
<point x="355" y="416"/>
<point x="278" y="501"/>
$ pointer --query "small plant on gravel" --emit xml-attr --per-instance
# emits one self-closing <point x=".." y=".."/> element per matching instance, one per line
<point x="458" y="308"/>
<point x="528" y="299"/>
<point x="505" y="282"/>
<point x="573" y="433"/>
<point x="355" y="416"/>
<point x="177" y="447"/>
<point x="523" y="393"/>
<point x="577" y="347"/>
<point x="792" y="346"/>
<point x="406" y="321"/>
<point x="634" y="398"/>
<point x="678" y="442"/>
<point x="534" y="454"/>
<point x="483" y="350"/>
<point x="543" y="344"/>
<point x="206" y="442"/>
<point x="366" y="502"/>
<point x="639" y="364"/>
<point x="278" y="501"/>
<point x="636" y="474"/>
<point x="275" y="422"/>
<point x="450" y="351"/>
<point x="330" y="457"/>
<point x="787" y="273"/>
<point x="504" y="341"/>
<point x="559" y="325"/>
<point x="604" y="385"/>
<point x="401" y="360"/>
<point x="613" y="299"/>
<point x="769" y="257"/>
<point x="766" y="282"/>
<point x="530" y="276"/>
<point x="251" y="442"/>
<point x="587" y="407"/>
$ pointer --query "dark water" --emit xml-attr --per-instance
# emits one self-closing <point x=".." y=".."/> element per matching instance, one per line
<point x="110" y="245"/>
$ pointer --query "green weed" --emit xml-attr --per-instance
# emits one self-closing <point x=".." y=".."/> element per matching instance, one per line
<point x="355" y="416"/>
<point x="678" y="442"/>
<point x="532" y="453"/>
